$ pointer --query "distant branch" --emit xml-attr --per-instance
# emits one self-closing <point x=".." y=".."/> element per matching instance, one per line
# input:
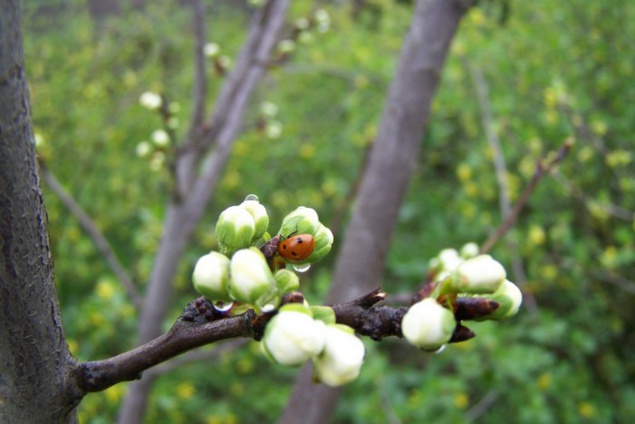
<point x="542" y="168"/>
<point x="93" y="232"/>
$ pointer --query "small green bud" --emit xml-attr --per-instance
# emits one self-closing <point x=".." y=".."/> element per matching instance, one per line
<point x="301" y="221"/>
<point x="481" y="274"/>
<point x="258" y="213"/>
<point x="235" y="228"/>
<point x="323" y="243"/>
<point x="324" y="313"/>
<point x="510" y="298"/>
<point x="251" y="279"/>
<point x="293" y="336"/>
<point x="286" y="281"/>
<point x="428" y="325"/>
<point x="211" y="276"/>
<point x="342" y="357"/>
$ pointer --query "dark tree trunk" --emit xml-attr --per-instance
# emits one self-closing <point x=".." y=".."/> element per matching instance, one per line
<point x="35" y="362"/>
<point x="360" y="264"/>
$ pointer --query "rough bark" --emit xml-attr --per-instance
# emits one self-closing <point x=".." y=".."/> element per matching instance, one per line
<point x="34" y="357"/>
<point x="360" y="264"/>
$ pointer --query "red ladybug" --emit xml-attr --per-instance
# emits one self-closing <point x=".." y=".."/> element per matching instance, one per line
<point x="297" y="248"/>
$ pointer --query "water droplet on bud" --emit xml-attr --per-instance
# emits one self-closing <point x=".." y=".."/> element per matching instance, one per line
<point x="302" y="268"/>
<point x="223" y="306"/>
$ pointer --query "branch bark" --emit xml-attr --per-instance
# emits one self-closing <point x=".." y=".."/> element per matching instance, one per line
<point x="34" y="385"/>
<point x="360" y="264"/>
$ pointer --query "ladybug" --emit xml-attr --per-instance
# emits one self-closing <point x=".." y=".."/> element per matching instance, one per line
<point x="297" y="248"/>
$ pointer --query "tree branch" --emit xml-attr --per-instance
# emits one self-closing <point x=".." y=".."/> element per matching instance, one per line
<point x="543" y="167"/>
<point x="200" y="324"/>
<point x="94" y="233"/>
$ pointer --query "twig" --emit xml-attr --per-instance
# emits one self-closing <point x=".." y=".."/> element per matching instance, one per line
<point x="482" y="406"/>
<point x="93" y="232"/>
<point x="542" y="168"/>
<point x="501" y="175"/>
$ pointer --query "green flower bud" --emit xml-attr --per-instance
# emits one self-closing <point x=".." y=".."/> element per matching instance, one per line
<point x="251" y="279"/>
<point x="293" y="336"/>
<point x="481" y="274"/>
<point x="301" y="221"/>
<point x="235" y="228"/>
<point x="324" y="313"/>
<point x="286" y="281"/>
<point x="323" y="243"/>
<point x="211" y="277"/>
<point x="428" y="325"/>
<point x="510" y="298"/>
<point x="258" y="213"/>
<point x="342" y="357"/>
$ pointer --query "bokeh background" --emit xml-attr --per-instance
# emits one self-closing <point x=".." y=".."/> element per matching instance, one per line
<point x="553" y="71"/>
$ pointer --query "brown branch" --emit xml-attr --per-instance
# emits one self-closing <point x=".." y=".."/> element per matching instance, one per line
<point x="94" y="233"/>
<point x="542" y="168"/>
<point x="200" y="324"/>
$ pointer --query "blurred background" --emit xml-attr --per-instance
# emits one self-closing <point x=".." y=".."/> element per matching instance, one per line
<point x="546" y="71"/>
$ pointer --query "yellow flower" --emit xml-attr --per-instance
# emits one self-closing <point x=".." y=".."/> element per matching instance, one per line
<point x="544" y="381"/>
<point x="586" y="410"/>
<point x="185" y="390"/>
<point x="105" y="290"/>
<point x="461" y="400"/>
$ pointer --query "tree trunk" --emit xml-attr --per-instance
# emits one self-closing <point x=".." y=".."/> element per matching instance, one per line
<point x="360" y="264"/>
<point x="34" y="358"/>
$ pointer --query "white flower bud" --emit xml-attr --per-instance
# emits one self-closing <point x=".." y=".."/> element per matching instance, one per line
<point x="342" y="358"/>
<point x="428" y="325"/>
<point x="160" y="138"/>
<point x="211" y="49"/>
<point x="293" y="336"/>
<point x="251" y="279"/>
<point x="150" y="100"/>
<point x="259" y="215"/>
<point x="449" y="259"/>
<point x="211" y="276"/>
<point x="481" y="274"/>
<point x="235" y="227"/>
<point x="469" y="250"/>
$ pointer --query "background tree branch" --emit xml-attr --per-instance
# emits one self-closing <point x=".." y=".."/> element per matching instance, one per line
<point x="360" y="263"/>
<point x="194" y="190"/>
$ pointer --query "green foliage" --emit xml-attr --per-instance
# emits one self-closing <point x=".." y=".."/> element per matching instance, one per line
<point x="555" y="70"/>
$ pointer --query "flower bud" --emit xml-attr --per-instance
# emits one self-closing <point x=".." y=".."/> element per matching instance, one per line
<point x="150" y="100"/>
<point x="325" y="314"/>
<point x="481" y="274"/>
<point x="293" y="336"/>
<point x="251" y="279"/>
<point x="428" y="325"/>
<point x="323" y="243"/>
<point x="286" y="281"/>
<point x="305" y="221"/>
<point x="211" y="276"/>
<point x="301" y="221"/>
<point x="449" y="259"/>
<point x="258" y="213"/>
<point x="235" y="228"/>
<point x="469" y="250"/>
<point x="510" y="298"/>
<point x="342" y="357"/>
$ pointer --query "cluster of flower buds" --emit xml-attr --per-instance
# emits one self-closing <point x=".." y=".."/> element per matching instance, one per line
<point x="241" y="272"/>
<point x="298" y="333"/>
<point x="430" y="323"/>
